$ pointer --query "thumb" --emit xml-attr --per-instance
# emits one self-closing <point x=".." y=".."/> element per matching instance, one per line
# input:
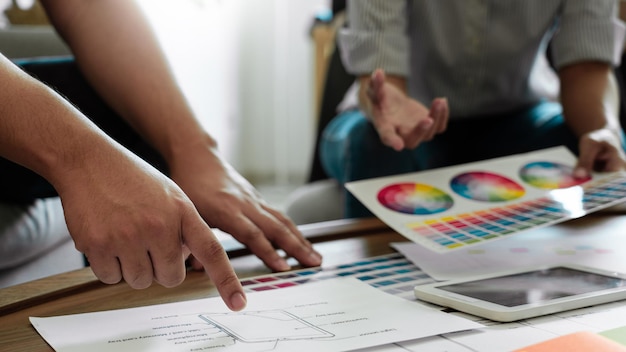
<point x="375" y="89"/>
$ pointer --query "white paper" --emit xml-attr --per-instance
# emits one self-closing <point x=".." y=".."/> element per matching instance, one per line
<point x="333" y="315"/>
<point x="451" y="208"/>
<point x="500" y="337"/>
<point x="593" y="246"/>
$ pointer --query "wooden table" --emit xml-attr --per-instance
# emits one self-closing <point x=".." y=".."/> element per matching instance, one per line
<point x="341" y="241"/>
<point x="79" y="291"/>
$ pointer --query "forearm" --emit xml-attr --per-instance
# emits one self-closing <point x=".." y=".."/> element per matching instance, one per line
<point x="590" y="98"/>
<point x="120" y="56"/>
<point x="41" y="131"/>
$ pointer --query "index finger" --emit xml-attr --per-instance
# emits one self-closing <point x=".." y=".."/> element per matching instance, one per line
<point x="282" y="232"/>
<point x="389" y="136"/>
<point x="205" y="247"/>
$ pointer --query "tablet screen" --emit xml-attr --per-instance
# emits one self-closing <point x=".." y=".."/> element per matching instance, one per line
<point x="535" y="286"/>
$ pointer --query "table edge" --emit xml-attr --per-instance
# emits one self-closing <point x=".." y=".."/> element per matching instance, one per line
<point x="28" y="294"/>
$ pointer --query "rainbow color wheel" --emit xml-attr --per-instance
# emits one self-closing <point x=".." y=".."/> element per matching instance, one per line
<point x="549" y="175"/>
<point x="486" y="187"/>
<point x="414" y="198"/>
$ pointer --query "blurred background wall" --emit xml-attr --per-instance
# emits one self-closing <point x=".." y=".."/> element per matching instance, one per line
<point x="247" y="67"/>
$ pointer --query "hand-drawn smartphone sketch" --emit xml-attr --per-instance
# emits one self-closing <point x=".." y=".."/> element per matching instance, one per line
<point x="265" y="326"/>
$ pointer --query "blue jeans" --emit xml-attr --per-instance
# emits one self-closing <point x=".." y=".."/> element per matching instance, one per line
<point x="350" y="148"/>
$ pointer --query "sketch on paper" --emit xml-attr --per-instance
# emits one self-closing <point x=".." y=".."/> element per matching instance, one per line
<point x="338" y="314"/>
<point x="269" y="325"/>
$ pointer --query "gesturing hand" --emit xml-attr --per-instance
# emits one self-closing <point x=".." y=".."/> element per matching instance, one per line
<point x="402" y="122"/>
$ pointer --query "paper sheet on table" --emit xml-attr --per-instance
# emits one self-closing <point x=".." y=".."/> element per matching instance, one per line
<point x="581" y="341"/>
<point x="498" y="337"/>
<point x="594" y="246"/>
<point x="453" y="208"/>
<point x="333" y="315"/>
<point x="617" y="334"/>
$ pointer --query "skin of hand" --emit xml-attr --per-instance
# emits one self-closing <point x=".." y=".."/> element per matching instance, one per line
<point x="401" y="122"/>
<point x="149" y="98"/>
<point x="132" y="222"/>
<point x="148" y="220"/>
<point x="590" y="100"/>
<point x="227" y="201"/>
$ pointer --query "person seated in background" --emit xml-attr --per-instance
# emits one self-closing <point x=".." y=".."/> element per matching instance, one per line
<point x="131" y="221"/>
<point x="450" y="82"/>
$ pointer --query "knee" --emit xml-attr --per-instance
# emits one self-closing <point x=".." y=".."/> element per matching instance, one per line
<point x="343" y="140"/>
<point x="349" y="126"/>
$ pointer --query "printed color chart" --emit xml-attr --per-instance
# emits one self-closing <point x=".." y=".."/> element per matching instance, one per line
<point x="455" y="207"/>
<point x="392" y="273"/>
<point x="414" y="198"/>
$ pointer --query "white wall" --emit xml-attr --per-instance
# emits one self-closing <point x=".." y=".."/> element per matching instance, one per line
<point x="247" y="68"/>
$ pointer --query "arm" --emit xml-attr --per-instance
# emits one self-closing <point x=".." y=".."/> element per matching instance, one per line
<point x="376" y="44"/>
<point x="590" y="102"/>
<point x="108" y="194"/>
<point x="132" y="75"/>
<point x="586" y="46"/>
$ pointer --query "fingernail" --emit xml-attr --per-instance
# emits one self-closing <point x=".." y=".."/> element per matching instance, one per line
<point x="238" y="301"/>
<point x="318" y="255"/>
<point x="580" y="173"/>
<point x="281" y="265"/>
<point x="315" y="258"/>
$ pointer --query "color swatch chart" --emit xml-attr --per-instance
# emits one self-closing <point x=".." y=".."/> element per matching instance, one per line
<point x="391" y="273"/>
<point x="455" y="207"/>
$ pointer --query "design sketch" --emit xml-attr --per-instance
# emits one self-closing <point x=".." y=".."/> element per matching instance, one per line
<point x="265" y="326"/>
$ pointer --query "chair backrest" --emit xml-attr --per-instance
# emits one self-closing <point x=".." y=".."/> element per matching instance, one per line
<point x="336" y="84"/>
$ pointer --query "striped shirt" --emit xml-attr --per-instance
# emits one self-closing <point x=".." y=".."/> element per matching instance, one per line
<point x="485" y="56"/>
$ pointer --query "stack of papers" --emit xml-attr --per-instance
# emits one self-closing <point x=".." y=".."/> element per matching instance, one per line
<point x="334" y="315"/>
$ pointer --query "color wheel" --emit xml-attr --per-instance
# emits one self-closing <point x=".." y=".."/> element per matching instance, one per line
<point x="549" y="175"/>
<point x="486" y="187"/>
<point x="414" y="198"/>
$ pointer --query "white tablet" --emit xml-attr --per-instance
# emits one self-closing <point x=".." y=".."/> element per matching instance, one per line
<point x="514" y="295"/>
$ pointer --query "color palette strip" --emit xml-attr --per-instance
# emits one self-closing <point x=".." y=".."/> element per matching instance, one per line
<point x="391" y="273"/>
<point x="458" y="231"/>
